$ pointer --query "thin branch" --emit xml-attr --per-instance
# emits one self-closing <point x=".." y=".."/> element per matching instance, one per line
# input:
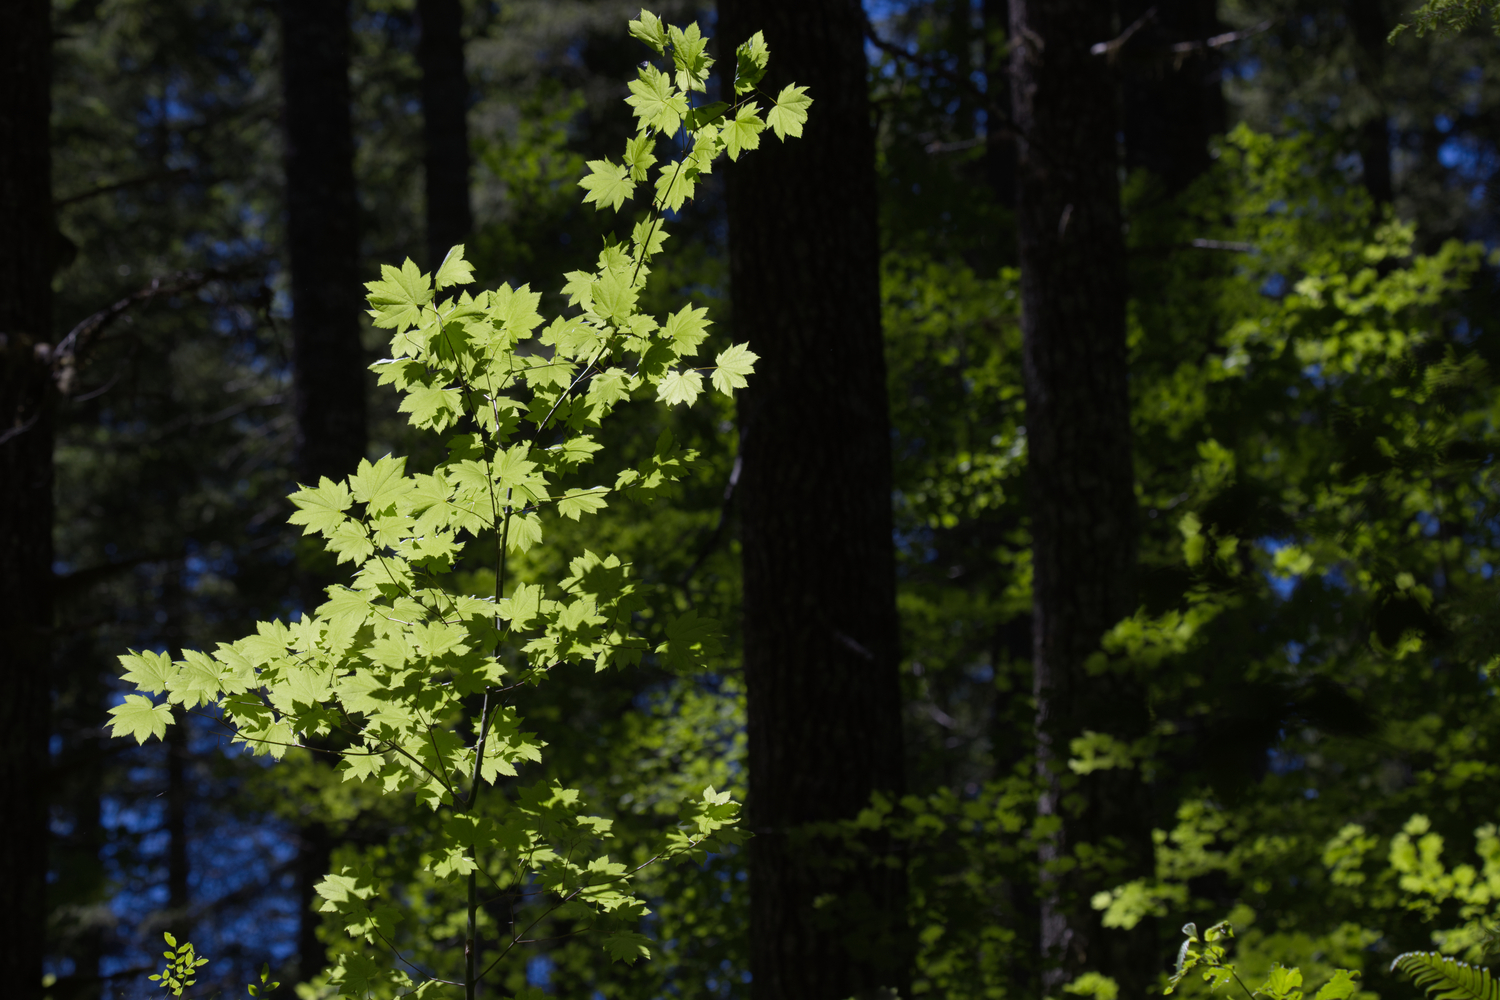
<point x="712" y="542"/>
<point x="1180" y="50"/>
<point x="1110" y="50"/>
<point x="181" y="173"/>
<point x="66" y="354"/>
<point x="1220" y="41"/>
<point x="997" y="119"/>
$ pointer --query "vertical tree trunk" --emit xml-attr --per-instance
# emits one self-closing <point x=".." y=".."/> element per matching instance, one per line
<point x="1081" y="481"/>
<point x="177" y="826"/>
<point x="1370" y="28"/>
<point x="26" y="495"/>
<point x="821" y="652"/>
<point x="445" y="127"/>
<point x="322" y="238"/>
<point x="999" y="144"/>
<point x="1173" y="105"/>
<point x="328" y="362"/>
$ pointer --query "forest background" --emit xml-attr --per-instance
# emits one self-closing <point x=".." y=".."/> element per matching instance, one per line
<point x="1190" y="618"/>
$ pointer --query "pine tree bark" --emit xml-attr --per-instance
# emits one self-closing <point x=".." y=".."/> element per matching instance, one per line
<point x="821" y="653"/>
<point x="1370" y="26"/>
<point x="26" y="258"/>
<point x="1173" y="104"/>
<point x="1081" y="480"/>
<point x="322" y="238"/>
<point x="445" y="127"/>
<point x="327" y="359"/>
<point x="999" y="144"/>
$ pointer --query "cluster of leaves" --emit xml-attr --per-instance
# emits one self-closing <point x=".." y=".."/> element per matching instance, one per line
<point x="1446" y="978"/>
<point x="411" y="673"/>
<point x="1207" y="953"/>
<point x="1449" y="15"/>
<point x="1313" y="420"/>
<point x="181" y="970"/>
<point x="1443" y="977"/>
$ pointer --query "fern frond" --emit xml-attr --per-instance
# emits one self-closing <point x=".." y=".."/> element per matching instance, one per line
<point x="1447" y="978"/>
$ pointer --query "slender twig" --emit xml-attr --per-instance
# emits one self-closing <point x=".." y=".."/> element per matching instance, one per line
<point x="180" y="173"/>
<point x="1111" y="49"/>
<point x="712" y="542"/>
<point x="997" y="118"/>
<point x="1219" y="41"/>
<point x="65" y="354"/>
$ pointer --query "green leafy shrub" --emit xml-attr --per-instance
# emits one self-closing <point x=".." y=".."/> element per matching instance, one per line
<point x="410" y="675"/>
<point x="1446" y="978"/>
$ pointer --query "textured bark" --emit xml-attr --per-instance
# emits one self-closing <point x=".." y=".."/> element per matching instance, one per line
<point x="322" y="239"/>
<point x="1173" y="105"/>
<point x="314" y="854"/>
<point x="177" y="825"/>
<point x="999" y="144"/>
<point x="820" y="619"/>
<point x="328" y="362"/>
<point x="445" y="127"/>
<point x="1081" y="481"/>
<point x="1370" y="26"/>
<point x="25" y="488"/>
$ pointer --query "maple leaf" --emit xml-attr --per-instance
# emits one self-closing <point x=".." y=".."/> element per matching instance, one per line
<point x="148" y="671"/>
<point x="649" y="29"/>
<point x="432" y="407"/>
<point x="733" y="365"/>
<point x="614" y="294"/>
<point x="689" y="57"/>
<point x="689" y="639"/>
<point x="525" y="531"/>
<point x="380" y="485"/>
<point x="514" y="311"/>
<point x="674" y="185"/>
<point x="627" y="946"/>
<point x="789" y="113"/>
<point x="742" y="132"/>
<point x="454" y="270"/>
<point x="321" y="509"/>
<point x="138" y="717"/>
<point x="687" y="328"/>
<point x="657" y="103"/>
<point x="608" y="183"/>
<point x="679" y="387"/>
<point x="639" y="155"/>
<point x="750" y="63"/>
<point x="585" y="502"/>
<point x="399" y="296"/>
<point x="652" y="229"/>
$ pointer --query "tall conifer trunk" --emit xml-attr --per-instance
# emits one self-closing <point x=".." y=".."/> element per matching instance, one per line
<point x="445" y="128"/>
<point x="1370" y="27"/>
<point x="1081" y="483"/>
<point x="815" y="498"/>
<point x="328" y="362"/>
<point x="25" y="488"/>
<point x="1173" y="103"/>
<point x="999" y="144"/>
<point x="322" y="238"/>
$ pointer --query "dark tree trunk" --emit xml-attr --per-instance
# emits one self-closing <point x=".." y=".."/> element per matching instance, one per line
<point x="177" y="825"/>
<point x="314" y="850"/>
<point x="322" y="239"/>
<point x="26" y="493"/>
<point x="1370" y="27"/>
<point x="1173" y="105"/>
<point x="821" y="651"/>
<point x="1081" y="480"/>
<point x="445" y="126"/>
<point x="999" y="144"/>
<point x="328" y="362"/>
